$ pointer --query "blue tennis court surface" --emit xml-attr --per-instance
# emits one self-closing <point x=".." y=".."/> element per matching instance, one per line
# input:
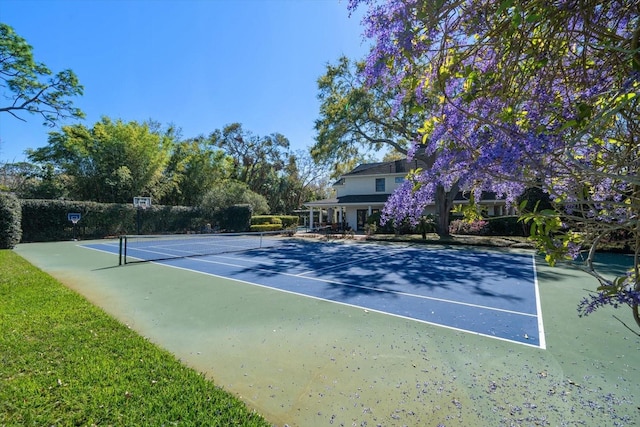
<point x="486" y="292"/>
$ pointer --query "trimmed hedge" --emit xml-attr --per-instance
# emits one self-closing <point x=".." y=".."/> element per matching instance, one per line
<point x="46" y="220"/>
<point x="287" y="221"/>
<point x="282" y="221"/>
<point x="266" y="219"/>
<point x="266" y="227"/>
<point x="10" y="215"/>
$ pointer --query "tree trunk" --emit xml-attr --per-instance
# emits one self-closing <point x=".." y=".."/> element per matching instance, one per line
<point x="444" y="203"/>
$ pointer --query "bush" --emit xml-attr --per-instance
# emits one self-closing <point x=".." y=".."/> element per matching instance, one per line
<point x="46" y="220"/>
<point x="282" y="221"/>
<point x="266" y="227"/>
<point x="506" y="226"/>
<point x="266" y="219"/>
<point x="474" y="228"/>
<point x="235" y="218"/>
<point x="374" y="219"/>
<point x="289" y="221"/>
<point x="10" y="216"/>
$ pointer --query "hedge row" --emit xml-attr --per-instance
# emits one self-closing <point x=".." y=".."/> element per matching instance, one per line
<point x="10" y="215"/>
<point x="266" y="227"/>
<point x="47" y="220"/>
<point x="285" y="221"/>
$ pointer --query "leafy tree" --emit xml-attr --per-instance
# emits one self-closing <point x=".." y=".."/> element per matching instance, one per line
<point x="225" y="194"/>
<point x="29" y="181"/>
<point x="256" y="160"/>
<point x="355" y="118"/>
<point x="358" y="116"/>
<point x="111" y="162"/>
<point x="196" y="167"/>
<point x="302" y="180"/>
<point x="529" y="94"/>
<point x="30" y="86"/>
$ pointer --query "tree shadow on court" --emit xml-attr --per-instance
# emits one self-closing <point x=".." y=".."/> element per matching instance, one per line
<point x="352" y="270"/>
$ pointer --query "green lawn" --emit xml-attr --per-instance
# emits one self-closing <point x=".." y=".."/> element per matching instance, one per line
<point x="64" y="362"/>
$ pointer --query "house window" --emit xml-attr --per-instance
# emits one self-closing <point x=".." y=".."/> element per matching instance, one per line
<point x="399" y="179"/>
<point x="379" y="184"/>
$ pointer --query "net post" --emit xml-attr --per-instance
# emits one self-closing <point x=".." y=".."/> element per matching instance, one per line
<point x="120" y="252"/>
<point x="125" y="249"/>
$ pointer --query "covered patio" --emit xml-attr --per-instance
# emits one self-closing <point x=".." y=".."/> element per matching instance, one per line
<point x="343" y="213"/>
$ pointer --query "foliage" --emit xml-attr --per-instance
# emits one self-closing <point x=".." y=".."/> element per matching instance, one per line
<point x="29" y="181"/>
<point x="302" y="180"/>
<point x="540" y="94"/>
<point x="266" y="166"/>
<point x="273" y="222"/>
<point x="474" y="228"/>
<point x="374" y="219"/>
<point x="257" y="161"/>
<point x="112" y="162"/>
<point x="265" y="219"/>
<point x="235" y="218"/>
<point x="195" y="166"/>
<point x="10" y="216"/>
<point x="289" y="221"/>
<point x="66" y="362"/>
<point x="370" y="228"/>
<point x="229" y="193"/>
<point x="265" y="227"/>
<point x="507" y="226"/>
<point x="30" y="86"/>
<point x="356" y="119"/>
<point x="46" y="220"/>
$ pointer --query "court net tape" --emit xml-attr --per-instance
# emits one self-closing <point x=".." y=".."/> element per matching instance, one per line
<point x="141" y="248"/>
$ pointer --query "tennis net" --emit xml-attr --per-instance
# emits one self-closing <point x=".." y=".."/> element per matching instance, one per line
<point x="141" y="248"/>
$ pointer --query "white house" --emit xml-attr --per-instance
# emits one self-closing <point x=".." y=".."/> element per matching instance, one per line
<point x="364" y="191"/>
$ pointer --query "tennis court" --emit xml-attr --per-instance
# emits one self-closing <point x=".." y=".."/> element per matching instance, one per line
<point x="486" y="292"/>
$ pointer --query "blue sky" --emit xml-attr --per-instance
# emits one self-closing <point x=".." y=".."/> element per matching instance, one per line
<point x="197" y="64"/>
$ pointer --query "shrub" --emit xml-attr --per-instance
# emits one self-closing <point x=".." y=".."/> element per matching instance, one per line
<point x="10" y="215"/>
<point x="265" y="219"/>
<point x="475" y="228"/>
<point x="235" y="218"/>
<point x="289" y="221"/>
<point x="46" y="220"/>
<point x="374" y="218"/>
<point x="506" y="226"/>
<point x="266" y="227"/>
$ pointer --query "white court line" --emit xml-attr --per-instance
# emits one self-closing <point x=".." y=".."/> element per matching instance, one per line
<point x="542" y="341"/>
<point x="350" y="305"/>
<point x="369" y="288"/>
<point x="541" y="338"/>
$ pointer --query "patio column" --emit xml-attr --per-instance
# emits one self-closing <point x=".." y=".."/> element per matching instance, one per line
<point x="311" y="218"/>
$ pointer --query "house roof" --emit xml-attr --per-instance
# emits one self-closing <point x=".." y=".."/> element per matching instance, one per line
<point x="385" y="168"/>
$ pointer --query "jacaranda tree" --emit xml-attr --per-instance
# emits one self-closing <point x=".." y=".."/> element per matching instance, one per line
<point x="356" y="118"/>
<point x="534" y="93"/>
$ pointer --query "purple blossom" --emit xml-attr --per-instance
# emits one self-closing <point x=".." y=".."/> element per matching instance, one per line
<point x="561" y="115"/>
<point x="621" y="298"/>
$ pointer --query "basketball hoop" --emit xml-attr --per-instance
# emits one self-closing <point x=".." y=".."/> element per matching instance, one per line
<point x="141" y="204"/>
<point x="74" y="218"/>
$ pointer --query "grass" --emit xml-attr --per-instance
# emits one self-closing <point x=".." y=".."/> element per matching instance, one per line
<point x="65" y="362"/>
